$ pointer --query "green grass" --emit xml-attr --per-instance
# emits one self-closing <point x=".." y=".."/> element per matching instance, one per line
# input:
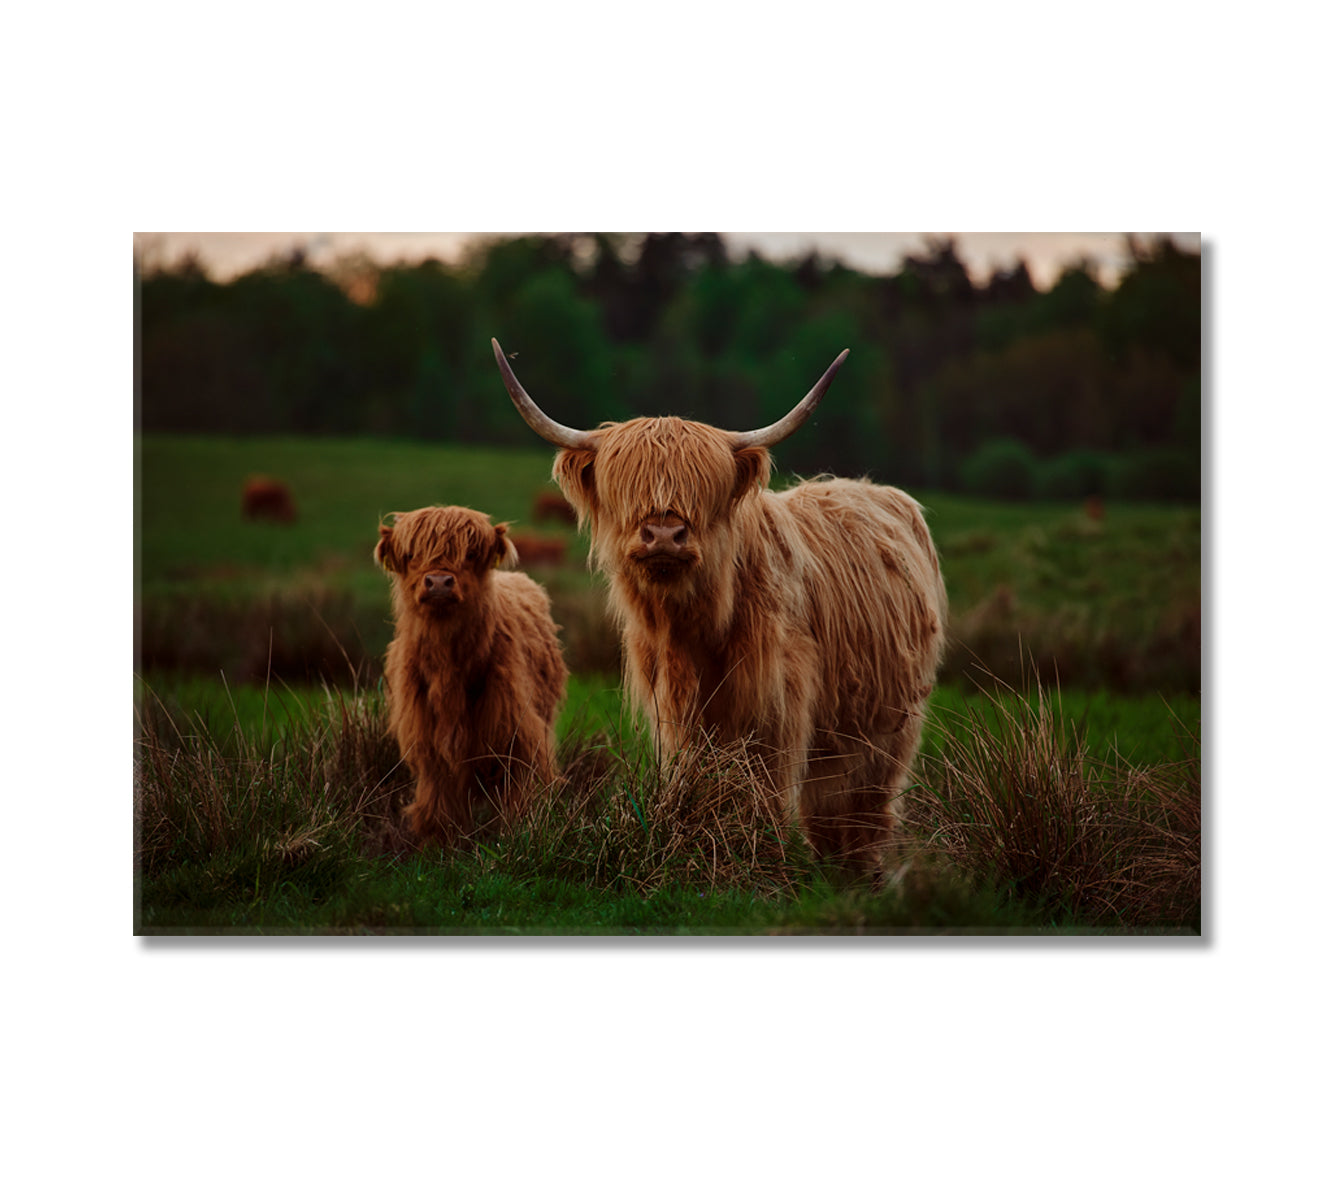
<point x="1114" y="602"/>
<point x="305" y="601"/>
<point x="1108" y="604"/>
<point x="265" y="714"/>
<point x="191" y="533"/>
<point x="284" y="819"/>
<point x="462" y="896"/>
<point x="1140" y="728"/>
<point x="267" y="790"/>
<point x="189" y="494"/>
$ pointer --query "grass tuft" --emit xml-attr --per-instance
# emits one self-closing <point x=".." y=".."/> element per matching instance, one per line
<point x="619" y="821"/>
<point x="328" y="783"/>
<point x="1012" y="797"/>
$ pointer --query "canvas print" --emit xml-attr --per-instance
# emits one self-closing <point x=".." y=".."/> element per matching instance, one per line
<point x="630" y="584"/>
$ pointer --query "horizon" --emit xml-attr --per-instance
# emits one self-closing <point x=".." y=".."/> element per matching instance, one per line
<point x="225" y="256"/>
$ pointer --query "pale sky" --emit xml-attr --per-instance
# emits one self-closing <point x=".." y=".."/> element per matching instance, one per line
<point x="228" y="254"/>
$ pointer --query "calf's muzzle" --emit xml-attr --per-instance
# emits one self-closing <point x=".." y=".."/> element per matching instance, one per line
<point x="439" y="588"/>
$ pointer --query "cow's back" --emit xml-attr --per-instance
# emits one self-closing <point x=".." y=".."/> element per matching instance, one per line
<point x="873" y="595"/>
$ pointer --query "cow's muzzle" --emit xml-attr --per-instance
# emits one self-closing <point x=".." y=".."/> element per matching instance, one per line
<point x="664" y="537"/>
<point x="664" y="549"/>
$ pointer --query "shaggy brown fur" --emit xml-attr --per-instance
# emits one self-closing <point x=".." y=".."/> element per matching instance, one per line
<point x="474" y="674"/>
<point x="267" y="499"/>
<point x="809" y="621"/>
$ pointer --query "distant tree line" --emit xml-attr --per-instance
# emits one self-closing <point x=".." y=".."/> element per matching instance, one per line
<point x="995" y="388"/>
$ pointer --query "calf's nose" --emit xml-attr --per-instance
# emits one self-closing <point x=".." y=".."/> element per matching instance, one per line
<point x="438" y="584"/>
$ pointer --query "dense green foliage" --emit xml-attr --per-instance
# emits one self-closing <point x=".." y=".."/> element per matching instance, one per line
<point x="943" y="370"/>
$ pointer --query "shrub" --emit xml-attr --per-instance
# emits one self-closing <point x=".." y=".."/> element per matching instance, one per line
<point x="1156" y="474"/>
<point x="1073" y="476"/>
<point x="1003" y="469"/>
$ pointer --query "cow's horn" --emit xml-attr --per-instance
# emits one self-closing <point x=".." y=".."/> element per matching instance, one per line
<point x="771" y="435"/>
<point x="541" y="424"/>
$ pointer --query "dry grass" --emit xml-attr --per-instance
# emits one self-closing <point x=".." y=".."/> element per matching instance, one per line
<point x="334" y="783"/>
<point x="1015" y="799"/>
<point x="1076" y="643"/>
<point x="619" y="820"/>
<point x="303" y="632"/>
<point x="614" y="819"/>
<point x="1009" y="803"/>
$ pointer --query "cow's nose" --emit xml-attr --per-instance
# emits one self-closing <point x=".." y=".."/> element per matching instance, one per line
<point x="663" y="536"/>
<point x="441" y="584"/>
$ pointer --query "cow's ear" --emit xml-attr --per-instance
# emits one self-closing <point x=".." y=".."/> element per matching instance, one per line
<point x="506" y="555"/>
<point x="573" y="472"/>
<point x="386" y="554"/>
<point x="752" y="471"/>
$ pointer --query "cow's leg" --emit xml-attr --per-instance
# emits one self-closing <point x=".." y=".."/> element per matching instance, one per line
<point x="780" y="776"/>
<point x="822" y="831"/>
<point x="866" y="830"/>
<point x="855" y="834"/>
<point x="441" y="808"/>
<point x="866" y="815"/>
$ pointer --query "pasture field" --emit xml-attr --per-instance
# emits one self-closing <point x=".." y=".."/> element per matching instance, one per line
<point x="1144" y="728"/>
<point x="1100" y="604"/>
<point x="266" y="786"/>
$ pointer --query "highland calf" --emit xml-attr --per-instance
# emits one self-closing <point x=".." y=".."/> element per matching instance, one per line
<point x="808" y="623"/>
<point x="474" y="674"/>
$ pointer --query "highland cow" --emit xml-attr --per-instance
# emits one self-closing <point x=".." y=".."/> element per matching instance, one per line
<point x="267" y="499"/>
<point x="807" y="623"/>
<point x="551" y="506"/>
<point x="536" y="550"/>
<point x="474" y="674"/>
